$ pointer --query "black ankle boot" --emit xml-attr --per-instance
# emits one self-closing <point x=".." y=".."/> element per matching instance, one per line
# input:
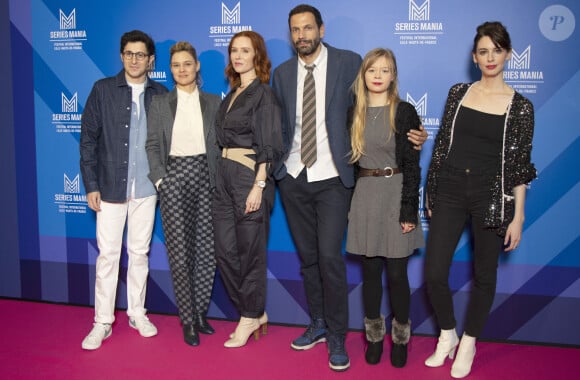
<point x="374" y="352"/>
<point x="190" y="335"/>
<point x="202" y="325"/>
<point x="375" y="332"/>
<point x="400" y="335"/>
<point x="399" y="355"/>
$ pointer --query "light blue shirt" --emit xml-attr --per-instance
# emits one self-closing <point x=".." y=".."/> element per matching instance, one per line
<point x="138" y="184"/>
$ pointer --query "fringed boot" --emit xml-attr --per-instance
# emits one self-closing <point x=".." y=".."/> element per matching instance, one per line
<point x="400" y="334"/>
<point x="375" y="332"/>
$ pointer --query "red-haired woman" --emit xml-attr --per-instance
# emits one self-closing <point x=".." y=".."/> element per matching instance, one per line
<point x="248" y="129"/>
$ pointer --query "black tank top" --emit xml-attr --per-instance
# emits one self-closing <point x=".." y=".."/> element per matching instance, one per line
<point x="477" y="140"/>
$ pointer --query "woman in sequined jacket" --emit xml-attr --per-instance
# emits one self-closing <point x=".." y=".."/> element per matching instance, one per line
<point x="478" y="172"/>
<point x="516" y="150"/>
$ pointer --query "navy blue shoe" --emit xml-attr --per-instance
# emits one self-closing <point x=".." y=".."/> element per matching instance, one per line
<point x="315" y="333"/>
<point x="337" y="357"/>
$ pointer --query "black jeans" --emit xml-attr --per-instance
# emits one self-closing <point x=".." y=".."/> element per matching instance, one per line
<point x="398" y="285"/>
<point x="317" y="214"/>
<point x="461" y="195"/>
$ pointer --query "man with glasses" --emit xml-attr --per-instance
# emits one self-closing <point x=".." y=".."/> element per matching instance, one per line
<point x="114" y="168"/>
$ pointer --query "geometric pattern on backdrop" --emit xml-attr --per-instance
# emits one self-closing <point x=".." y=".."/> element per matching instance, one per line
<point x="538" y="297"/>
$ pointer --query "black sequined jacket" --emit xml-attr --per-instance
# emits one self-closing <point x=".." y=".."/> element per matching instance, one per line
<point x="516" y="167"/>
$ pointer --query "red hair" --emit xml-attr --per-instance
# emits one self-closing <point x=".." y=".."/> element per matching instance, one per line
<point x="262" y="63"/>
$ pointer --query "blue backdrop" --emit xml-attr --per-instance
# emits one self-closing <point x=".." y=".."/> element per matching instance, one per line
<point x="60" y="47"/>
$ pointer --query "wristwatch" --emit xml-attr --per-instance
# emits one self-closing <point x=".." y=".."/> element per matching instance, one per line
<point x="260" y="184"/>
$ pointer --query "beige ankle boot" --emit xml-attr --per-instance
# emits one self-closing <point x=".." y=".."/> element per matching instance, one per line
<point x="263" y="320"/>
<point x="245" y="328"/>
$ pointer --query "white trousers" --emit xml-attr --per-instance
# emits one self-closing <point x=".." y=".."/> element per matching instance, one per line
<point x="139" y="215"/>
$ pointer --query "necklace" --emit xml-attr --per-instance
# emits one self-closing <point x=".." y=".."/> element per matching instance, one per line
<point x="379" y="110"/>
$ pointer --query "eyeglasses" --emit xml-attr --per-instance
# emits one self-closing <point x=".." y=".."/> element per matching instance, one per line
<point x="139" y="56"/>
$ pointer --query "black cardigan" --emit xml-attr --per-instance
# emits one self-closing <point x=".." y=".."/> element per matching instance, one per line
<point x="407" y="158"/>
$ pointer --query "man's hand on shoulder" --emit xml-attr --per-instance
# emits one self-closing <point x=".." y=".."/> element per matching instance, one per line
<point x="417" y="137"/>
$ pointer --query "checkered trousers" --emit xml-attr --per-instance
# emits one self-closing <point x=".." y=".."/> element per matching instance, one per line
<point x="185" y="199"/>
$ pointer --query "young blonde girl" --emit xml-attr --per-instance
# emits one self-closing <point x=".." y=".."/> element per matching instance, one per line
<point x="383" y="219"/>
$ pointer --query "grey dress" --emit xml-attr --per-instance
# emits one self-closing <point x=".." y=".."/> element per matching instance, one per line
<point x="374" y="228"/>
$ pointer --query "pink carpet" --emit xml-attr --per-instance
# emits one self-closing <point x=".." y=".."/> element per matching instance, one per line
<point x="43" y="341"/>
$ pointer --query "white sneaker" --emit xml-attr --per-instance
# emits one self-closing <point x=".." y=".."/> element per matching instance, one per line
<point x="144" y="325"/>
<point x="100" y="332"/>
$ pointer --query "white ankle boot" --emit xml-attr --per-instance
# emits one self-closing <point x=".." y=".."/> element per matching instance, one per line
<point x="465" y="355"/>
<point x="446" y="345"/>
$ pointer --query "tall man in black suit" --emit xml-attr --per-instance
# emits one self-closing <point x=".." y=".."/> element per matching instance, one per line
<point x="316" y="183"/>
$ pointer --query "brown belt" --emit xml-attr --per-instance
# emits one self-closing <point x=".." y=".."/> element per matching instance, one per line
<point x="240" y="156"/>
<point x="386" y="172"/>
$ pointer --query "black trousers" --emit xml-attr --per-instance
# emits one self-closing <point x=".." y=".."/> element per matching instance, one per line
<point x="398" y="287"/>
<point x="185" y="203"/>
<point x="317" y="214"/>
<point x="241" y="240"/>
<point x="461" y="196"/>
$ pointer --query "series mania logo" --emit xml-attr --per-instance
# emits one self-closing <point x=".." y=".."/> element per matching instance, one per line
<point x="158" y="75"/>
<point x="419" y="29"/>
<point x="519" y="73"/>
<point x="71" y="200"/>
<point x="69" y="118"/>
<point x="431" y="124"/>
<point x="68" y="37"/>
<point x="230" y="25"/>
